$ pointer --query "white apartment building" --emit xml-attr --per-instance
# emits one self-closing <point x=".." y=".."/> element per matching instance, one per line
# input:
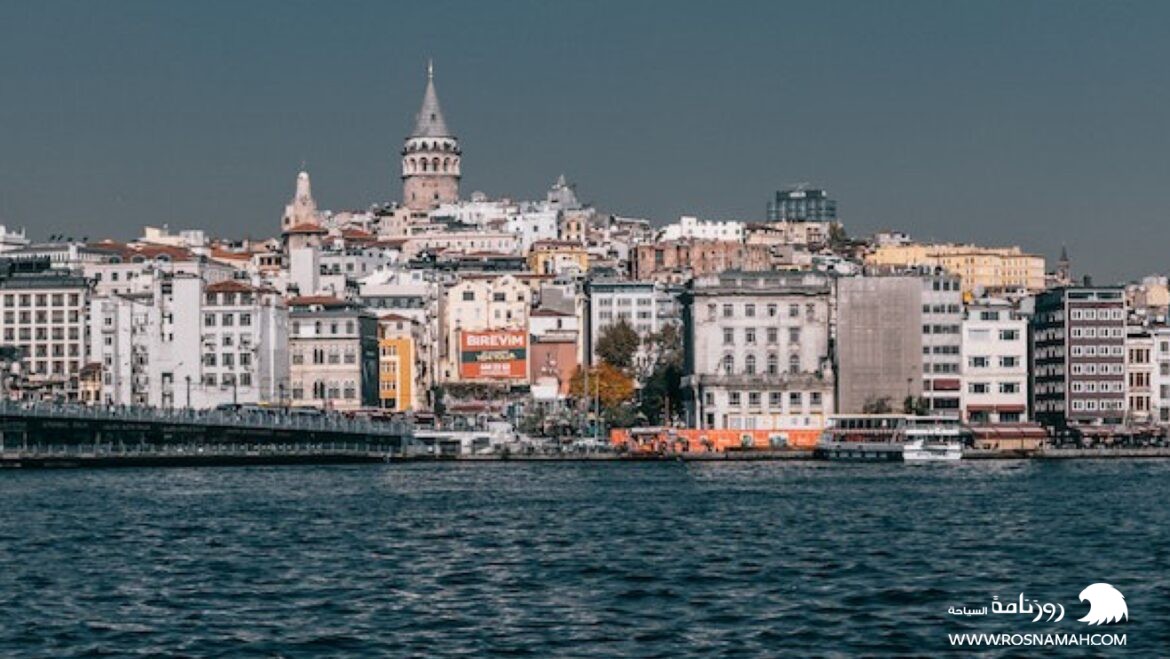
<point x="757" y="349"/>
<point x="994" y="363"/>
<point x="1160" y="376"/>
<point x="693" y="227"/>
<point x="44" y="314"/>
<point x="479" y="303"/>
<point x="942" y="318"/>
<point x="244" y="345"/>
<point x="645" y="305"/>
<point x="148" y="344"/>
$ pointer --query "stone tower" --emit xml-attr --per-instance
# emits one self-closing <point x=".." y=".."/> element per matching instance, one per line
<point x="430" y="156"/>
<point x="302" y="209"/>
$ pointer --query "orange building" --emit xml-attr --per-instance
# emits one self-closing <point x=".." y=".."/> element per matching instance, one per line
<point x="395" y="363"/>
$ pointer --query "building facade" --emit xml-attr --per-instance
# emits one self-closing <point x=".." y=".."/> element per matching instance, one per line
<point x="879" y="343"/>
<point x="1078" y="357"/>
<point x="333" y="350"/>
<point x="757" y="352"/>
<point x="995" y="364"/>
<point x="942" y="340"/>
<point x="801" y="204"/>
<point x="45" y="317"/>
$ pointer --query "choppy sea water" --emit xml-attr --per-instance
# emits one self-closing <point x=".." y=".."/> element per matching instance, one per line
<point x="581" y="559"/>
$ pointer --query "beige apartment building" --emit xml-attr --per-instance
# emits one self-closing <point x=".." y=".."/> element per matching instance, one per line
<point x="982" y="269"/>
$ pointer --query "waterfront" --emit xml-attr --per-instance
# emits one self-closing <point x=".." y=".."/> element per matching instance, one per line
<point x="601" y="559"/>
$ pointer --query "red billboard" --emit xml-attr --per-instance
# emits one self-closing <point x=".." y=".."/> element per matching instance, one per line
<point x="493" y="355"/>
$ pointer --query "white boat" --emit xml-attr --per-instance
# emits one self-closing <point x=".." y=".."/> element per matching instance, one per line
<point x="891" y="437"/>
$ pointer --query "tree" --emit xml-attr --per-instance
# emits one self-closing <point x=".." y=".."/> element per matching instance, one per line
<point x="617" y="343"/>
<point x="915" y="405"/>
<point x="605" y="381"/>
<point x="662" y="385"/>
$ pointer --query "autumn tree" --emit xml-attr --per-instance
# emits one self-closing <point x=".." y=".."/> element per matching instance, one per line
<point x="606" y="382"/>
<point x="617" y="344"/>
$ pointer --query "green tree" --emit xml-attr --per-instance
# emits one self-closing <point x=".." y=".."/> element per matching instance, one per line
<point x="617" y="344"/>
<point x="877" y="406"/>
<point x="662" y="385"/>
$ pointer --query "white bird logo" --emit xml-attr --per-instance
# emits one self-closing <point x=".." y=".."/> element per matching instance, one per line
<point x="1106" y="604"/>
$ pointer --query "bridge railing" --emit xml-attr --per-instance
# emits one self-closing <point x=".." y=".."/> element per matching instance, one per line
<point x="256" y="419"/>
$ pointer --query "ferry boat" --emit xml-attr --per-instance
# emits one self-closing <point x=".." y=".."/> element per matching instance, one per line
<point x="891" y="437"/>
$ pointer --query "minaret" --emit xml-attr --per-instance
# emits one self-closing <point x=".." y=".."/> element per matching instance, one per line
<point x="430" y="156"/>
<point x="302" y="209"/>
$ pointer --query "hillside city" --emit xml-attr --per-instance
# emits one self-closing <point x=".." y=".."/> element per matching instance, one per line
<point x="567" y="320"/>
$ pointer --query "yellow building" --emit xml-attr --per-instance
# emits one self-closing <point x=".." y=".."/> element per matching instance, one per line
<point x="395" y="363"/>
<point x="986" y="269"/>
<point x="555" y="257"/>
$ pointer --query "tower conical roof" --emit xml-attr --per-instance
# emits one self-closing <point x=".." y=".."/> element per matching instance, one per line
<point x="430" y="122"/>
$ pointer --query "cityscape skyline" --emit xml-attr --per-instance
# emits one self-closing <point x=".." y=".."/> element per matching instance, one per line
<point x="976" y="145"/>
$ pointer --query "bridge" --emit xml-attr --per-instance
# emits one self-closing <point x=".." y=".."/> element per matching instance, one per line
<point x="47" y="434"/>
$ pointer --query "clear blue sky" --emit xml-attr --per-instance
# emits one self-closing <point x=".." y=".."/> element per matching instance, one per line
<point x="1000" y="122"/>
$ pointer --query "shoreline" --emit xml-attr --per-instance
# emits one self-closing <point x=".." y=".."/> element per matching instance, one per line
<point x="99" y="461"/>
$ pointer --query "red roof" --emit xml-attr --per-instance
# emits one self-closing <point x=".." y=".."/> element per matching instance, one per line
<point x="228" y="286"/>
<point x="356" y="234"/>
<point x="395" y="318"/>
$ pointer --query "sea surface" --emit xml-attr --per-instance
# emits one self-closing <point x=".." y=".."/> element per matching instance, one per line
<point x="574" y="559"/>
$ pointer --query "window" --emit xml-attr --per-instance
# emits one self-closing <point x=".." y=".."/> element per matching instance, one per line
<point x="245" y="320"/>
<point x="1009" y="335"/>
<point x="753" y="399"/>
<point x="794" y="335"/>
<point x="794" y="364"/>
<point x="468" y="296"/>
<point x="794" y="311"/>
<point x="749" y="365"/>
<point x="773" y="364"/>
<point x="1009" y="387"/>
<point x="728" y="336"/>
<point x="749" y="336"/>
<point x="1009" y="362"/>
<point x="978" y="388"/>
<point x="773" y="336"/>
<point x="979" y="362"/>
<point x="734" y="399"/>
<point x="749" y="310"/>
<point x="727" y="311"/>
<point x="728" y="363"/>
<point x="774" y="399"/>
<point x="772" y="311"/>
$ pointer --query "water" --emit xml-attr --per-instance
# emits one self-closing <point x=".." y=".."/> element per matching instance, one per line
<point x="661" y="559"/>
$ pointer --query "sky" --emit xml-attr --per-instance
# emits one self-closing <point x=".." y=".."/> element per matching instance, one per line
<point x="1015" y="122"/>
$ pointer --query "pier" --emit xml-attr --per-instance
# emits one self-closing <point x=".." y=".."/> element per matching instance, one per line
<point x="54" y="435"/>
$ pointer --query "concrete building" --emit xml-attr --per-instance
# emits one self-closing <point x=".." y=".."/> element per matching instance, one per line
<point x="498" y="304"/>
<point x="44" y="316"/>
<point x="696" y="229"/>
<point x="431" y="158"/>
<point x="1160" y="374"/>
<point x="647" y="306"/>
<point x="244" y="345"/>
<point x="991" y="270"/>
<point x="1078" y="357"/>
<point x="942" y="340"/>
<point x="995" y="363"/>
<point x="333" y="349"/>
<point x="149" y="344"/>
<point x="397" y="356"/>
<point x="757" y="352"/>
<point x="879" y="343"/>
<point x="1139" y="374"/>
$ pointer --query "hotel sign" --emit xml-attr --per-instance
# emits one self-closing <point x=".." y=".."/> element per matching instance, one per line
<point x="493" y="354"/>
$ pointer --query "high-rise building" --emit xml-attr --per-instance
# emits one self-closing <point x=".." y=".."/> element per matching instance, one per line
<point x="995" y="363"/>
<point x="801" y="204"/>
<point x="942" y="317"/>
<point x="44" y="315"/>
<point x="430" y="156"/>
<point x="1078" y="356"/>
